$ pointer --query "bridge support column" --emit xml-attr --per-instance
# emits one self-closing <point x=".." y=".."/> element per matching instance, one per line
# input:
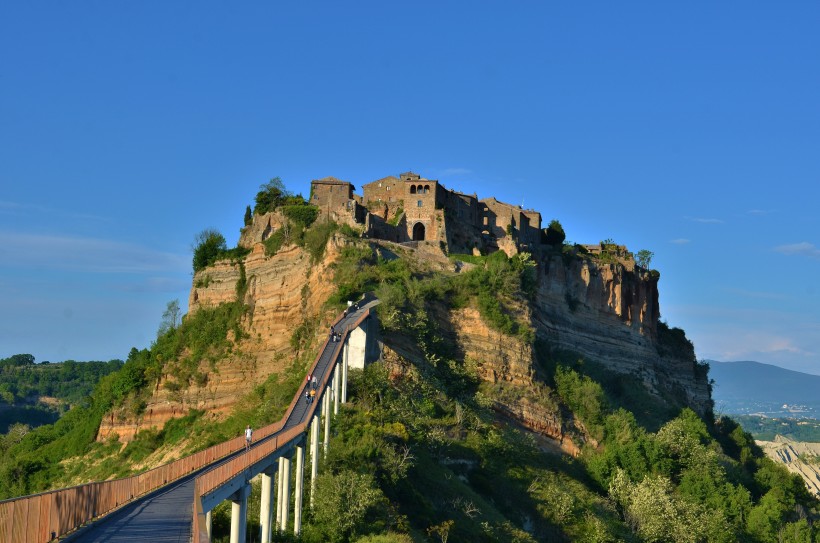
<point x="284" y="505"/>
<point x="265" y="509"/>
<point x="239" y="514"/>
<point x="314" y="456"/>
<point x="326" y="415"/>
<point x="344" y="370"/>
<point x="208" y="524"/>
<point x="297" y="497"/>
<point x="336" y="389"/>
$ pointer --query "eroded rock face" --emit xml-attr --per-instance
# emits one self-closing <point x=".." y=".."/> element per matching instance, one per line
<point x="282" y="291"/>
<point x="609" y="312"/>
<point x="498" y="357"/>
<point x="791" y="454"/>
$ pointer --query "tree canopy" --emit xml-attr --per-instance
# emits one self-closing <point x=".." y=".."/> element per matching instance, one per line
<point x="554" y="233"/>
<point x="270" y="196"/>
<point x="208" y="245"/>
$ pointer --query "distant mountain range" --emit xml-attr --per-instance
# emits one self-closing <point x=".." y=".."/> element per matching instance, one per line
<point x="746" y="380"/>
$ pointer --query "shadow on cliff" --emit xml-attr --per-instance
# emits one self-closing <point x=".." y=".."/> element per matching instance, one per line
<point x="622" y="390"/>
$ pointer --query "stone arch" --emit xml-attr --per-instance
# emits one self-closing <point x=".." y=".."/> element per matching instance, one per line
<point x="426" y="189"/>
<point x="418" y="232"/>
<point x="412" y="189"/>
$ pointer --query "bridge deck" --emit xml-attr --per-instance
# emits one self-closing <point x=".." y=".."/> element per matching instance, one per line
<point x="164" y="516"/>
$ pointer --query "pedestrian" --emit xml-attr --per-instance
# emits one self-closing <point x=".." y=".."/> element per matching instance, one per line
<point x="307" y="397"/>
<point x="308" y="379"/>
<point x="248" y="437"/>
<point x="314" y="381"/>
<point x="312" y="395"/>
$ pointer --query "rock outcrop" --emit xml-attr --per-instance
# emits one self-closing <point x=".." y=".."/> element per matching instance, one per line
<point x="606" y="312"/>
<point x="283" y="292"/>
<point x="609" y="312"/>
<point x="794" y="455"/>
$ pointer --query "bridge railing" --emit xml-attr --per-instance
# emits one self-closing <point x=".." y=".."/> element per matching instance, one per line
<point x="49" y="515"/>
<point x="222" y="474"/>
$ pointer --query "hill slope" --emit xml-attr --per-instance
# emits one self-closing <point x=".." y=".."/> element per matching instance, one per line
<point x="752" y="387"/>
<point x="492" y="368"/>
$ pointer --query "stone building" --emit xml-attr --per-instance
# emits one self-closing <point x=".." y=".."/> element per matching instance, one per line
<point x="412" y="208"/>
<point x="330" y="193"/>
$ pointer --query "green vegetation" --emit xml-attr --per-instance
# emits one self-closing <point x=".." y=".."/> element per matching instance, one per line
<point x="301" y="214"/>
<point x="394" y="220"/>
<point x="208" y="245"/>
<point x="765" y="428"/>
<point x="644" y="258"/>
<point x="23" y="383"/>
<point x="426" y="452"/>
<point x="554" y="234"/>
<point x="270" y="196"/>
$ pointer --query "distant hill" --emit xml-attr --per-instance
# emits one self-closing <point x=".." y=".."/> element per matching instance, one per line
<point x="747" y="380"/>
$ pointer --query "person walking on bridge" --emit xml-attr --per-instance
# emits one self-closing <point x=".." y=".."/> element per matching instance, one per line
<point x="248" y="437"/>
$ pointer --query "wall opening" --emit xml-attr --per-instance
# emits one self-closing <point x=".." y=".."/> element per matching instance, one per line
<point x="418" y="232"/>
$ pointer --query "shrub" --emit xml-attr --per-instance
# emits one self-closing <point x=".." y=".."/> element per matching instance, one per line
<point x="553" y="234"/>
<point x="316" y="239"/>
<point x="304" y="215"/>
<point x="270" y="196"/>
<point x="208" y="245"/>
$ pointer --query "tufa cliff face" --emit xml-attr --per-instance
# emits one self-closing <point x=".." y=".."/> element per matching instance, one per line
<point x="283" y="292"/>
<point x="606" y="312"/>
<point x="609" y="312"/>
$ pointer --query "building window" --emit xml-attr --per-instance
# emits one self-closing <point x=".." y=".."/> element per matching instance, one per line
<point x="412" y="189"/>
<point x="426" y="189"/>
<point x="418" y="204"/>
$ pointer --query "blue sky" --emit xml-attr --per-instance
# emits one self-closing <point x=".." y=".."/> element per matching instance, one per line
<point x="692" y="130"/>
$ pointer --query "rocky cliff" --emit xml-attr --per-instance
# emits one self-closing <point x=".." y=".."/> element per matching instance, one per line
<point x="607" y="312"/>
<point x="283" y="292"/>
<point x="798" y="457"/>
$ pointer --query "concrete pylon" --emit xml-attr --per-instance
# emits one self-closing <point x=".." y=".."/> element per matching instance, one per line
<point x="344" y="371"/>
<point x="336" y="389"/>
<point x="209" y="524"/>
<point x="326" y="415"/>
<point x="265" y="506"/>
<point x="285" y="511"/>
<point x="297" y="496"/>
<point x="239" y="514"/>
<point x="314" y="456"/>
<point x="280" y="485"/>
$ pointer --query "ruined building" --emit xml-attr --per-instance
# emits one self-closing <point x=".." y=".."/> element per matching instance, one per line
<point x="411" y="208"/>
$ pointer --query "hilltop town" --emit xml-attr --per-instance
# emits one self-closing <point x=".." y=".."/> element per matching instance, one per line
<point x="412" y="208"/>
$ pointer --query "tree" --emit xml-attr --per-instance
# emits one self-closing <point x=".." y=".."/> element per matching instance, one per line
<point x="270" y="196"/>
<point x="342" y="501"/>
<point x="207" y="246"/>
<point x="17" y="360"/>
<point x="554" y="233"/>
<point x="170" y="317"/>
<point x="644" y="258"/>
<point x="248" y="216"/>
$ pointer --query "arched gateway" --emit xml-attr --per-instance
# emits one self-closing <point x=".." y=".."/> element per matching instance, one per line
<point x="418" y="232"/>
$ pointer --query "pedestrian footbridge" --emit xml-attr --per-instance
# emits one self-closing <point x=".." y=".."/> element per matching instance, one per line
<point x="173" y="503"/>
